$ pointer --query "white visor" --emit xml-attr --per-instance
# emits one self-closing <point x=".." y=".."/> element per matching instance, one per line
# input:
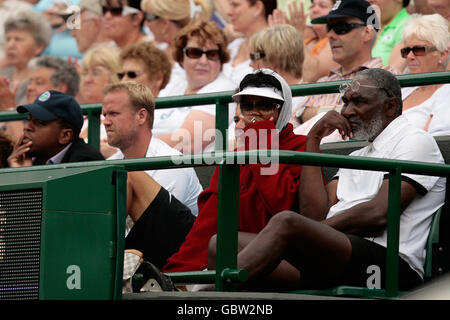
<point x="268" y="92"/>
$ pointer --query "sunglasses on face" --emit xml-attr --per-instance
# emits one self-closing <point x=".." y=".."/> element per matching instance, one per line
<point x="257" y="55"/>
<point x="260" y="105"/>
<point x="150" y="17"/>
<point x="119" y="11"/>
<point x="417" y="50"/>
<point x="129" y="74"/>
<point x="196" y="53"/>
<point x="343" y="27"/>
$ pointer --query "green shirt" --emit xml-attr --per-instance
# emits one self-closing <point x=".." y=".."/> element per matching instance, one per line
<point x="390" y="36"/>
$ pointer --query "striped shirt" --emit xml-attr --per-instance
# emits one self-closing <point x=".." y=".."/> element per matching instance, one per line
<point x="327" y="102"/>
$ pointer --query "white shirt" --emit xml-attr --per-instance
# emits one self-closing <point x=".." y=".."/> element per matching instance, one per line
<point x="440" y="122"/>
<point x="399" y="140"/>
<point x="177" y="74"/>
<point x="168" y="120"/>
<point x="236" y="73"/>
<point x="57" y="158"/>
<point x="183" y="183"/>
<point x="420" y="114"/>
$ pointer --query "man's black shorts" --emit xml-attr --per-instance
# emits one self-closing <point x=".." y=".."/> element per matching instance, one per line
<point x="367" y="259"/>
<point x="161" y="229"/>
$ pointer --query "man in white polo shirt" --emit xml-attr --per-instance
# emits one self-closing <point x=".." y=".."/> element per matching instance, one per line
<point x="340" y="233"/>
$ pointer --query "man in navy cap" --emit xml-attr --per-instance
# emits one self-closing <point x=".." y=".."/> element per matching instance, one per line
<point x="352" y="27"/>
<point x="51" y="134"/>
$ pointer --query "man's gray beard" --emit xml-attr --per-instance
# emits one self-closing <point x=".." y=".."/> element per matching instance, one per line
<point x="369" y="130"/>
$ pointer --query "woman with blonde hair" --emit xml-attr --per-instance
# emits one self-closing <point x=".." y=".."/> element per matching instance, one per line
<point x="279" y="48"/>
<point x="100" y="66"/>
<point x="425" y="49"/>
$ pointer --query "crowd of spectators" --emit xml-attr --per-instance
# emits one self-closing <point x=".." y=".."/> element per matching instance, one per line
<point x="138" y="50"/>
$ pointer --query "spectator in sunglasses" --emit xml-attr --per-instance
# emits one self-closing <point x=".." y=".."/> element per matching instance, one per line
<point x="123" y="21"/>
<point x="393" y="16"/>
<point x="340" y="229"/>
<point x="165" y="18"/>
<point x="200" y="48"/>
<point x="351" y="29"/>
<point x="247" y="17"/>
<point x="425" y="41"/>
<point x="145" y="63"/>
<point x="264" y="99"/>
<point x="281" y="49"/>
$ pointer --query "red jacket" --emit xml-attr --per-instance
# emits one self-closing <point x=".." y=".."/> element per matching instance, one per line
<point x="261" y="197"/>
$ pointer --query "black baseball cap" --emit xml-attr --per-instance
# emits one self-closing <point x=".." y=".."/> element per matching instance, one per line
<point x="52" y="105"/>
<point x="360" y="9"/>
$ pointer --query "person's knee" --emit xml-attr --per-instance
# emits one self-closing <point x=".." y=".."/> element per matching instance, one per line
<point x="283" y="223"/>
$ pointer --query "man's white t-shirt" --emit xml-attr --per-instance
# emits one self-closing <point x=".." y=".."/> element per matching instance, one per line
<point x="183" y="183"/>
<point x="403" y="141"/>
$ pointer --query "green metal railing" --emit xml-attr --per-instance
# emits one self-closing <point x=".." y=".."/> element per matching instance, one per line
<point x="222" y="99"/>
<point x="226" y="273"/>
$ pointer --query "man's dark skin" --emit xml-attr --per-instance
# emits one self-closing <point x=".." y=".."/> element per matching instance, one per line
<point x="292" y="238"/>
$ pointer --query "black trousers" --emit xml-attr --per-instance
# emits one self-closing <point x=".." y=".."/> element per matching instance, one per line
<point x="161" y="229"/>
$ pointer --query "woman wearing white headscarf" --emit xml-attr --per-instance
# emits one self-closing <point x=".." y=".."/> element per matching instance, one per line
<point x="265" y="189"/>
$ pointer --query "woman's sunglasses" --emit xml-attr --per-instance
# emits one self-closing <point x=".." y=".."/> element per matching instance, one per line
<point x="257" y="55"/>
<point x="196" y="53"/>
<point x="417" y="50"/>
<point x="343" y="27"/>
<point x="150" y="17"/>
<point x="130" y="74"/>
<point x="119" y="11"/>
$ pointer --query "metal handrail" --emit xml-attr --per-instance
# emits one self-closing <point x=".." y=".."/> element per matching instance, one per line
<point x="226" y="258"/>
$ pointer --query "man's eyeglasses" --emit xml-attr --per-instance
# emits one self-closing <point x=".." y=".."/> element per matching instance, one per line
<point x="196" y="53"/>
<point x="355" y="85"/>
<point x="257" y="55"/>
<point x="417" y="50"/>
<point x="343" y="27"/>
<point x="129" y="74"/>
<point x="119" y="11"/>
<point x="150" y="17"/>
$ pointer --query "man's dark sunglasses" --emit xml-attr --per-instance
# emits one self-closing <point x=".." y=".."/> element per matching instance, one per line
<point x="417" y="50"/>
<point x="130" y="74"/>
<point x="196" y="53"/>
<point x="343" y="27"/>
<point x="260" y="105"/>
<point x="119" y="11"/>
<point x="115" y="11"/>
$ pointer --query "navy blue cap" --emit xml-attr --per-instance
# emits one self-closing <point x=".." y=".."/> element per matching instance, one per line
<point x="52" y="105"/>
<point x="360" y="9"/>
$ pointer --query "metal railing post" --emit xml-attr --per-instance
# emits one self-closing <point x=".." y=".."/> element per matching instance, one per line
<point x="227" y="224"/>
<point x="393" y="229"/>
<point x="94" y="128"/>
<point x="221" y="142"/>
